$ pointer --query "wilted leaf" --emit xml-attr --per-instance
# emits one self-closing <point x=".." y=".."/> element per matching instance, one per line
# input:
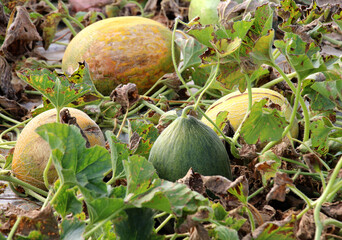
<point x="278" y="191"/>
<point x="313" y="162"/>
<point x="125" y="95"/>
<point x="21" y="35"/>
<point x="6" y="87"/>
<point x="49" y="24"/>
<point x="37" y="220"/>
<point x="59" y="89"/>
<point x="268" y="165"/>
<point x="263" y="124"/>
<point x="280" y="230"/>
<point x="306" y="226"/>
<point x="333" y="210"/>
<point x="194" y="181"/>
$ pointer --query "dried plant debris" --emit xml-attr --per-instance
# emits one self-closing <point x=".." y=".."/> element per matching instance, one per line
<point x="6" y="87"/>
<point x="43" y="221"/>
<point x="21" y="35"/>
<point x="125" y="95"/>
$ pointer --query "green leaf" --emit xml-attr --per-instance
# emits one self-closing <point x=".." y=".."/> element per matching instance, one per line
<point x="119" y="152"/>
<point x="331" y="90"/>
<point x="148" y="134"/>
<point x="136" y="224"/>
<point x="337" y="17"/>
<point x="304" y="57"/>
<point x="74" y="163"/>
<point x="191" y="50"/>
<point x="67" y="202"/>
<point x="263" y="124"/>
<point x="202" y="34"/>
<point x="140" y="175"/>
<point x="319" y="136"/>
<point x="72" y="229"/>
<point x="262" y="50"/>
<point x="318" y="101"/>
<point x="103" y="208"/>
<point x="60" y="90"/>
<point x="222" y="233"/>
<point x="49" y="27"/>
<point x="171" y="197"/>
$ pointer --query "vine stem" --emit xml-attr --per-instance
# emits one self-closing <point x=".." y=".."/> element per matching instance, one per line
<point x="164" y="223"/>
<point x="14" y="228"/>
<point x="175" y="62"/>
<point x="207" y="86"/>
<point x="122" y="124"/>
<point x="22" y="183"/>
<point x="322" y="198"/>
<point x="100" y="224"/>
<point x="153" y="107"/>
<point x="59" y="191"/>
<point x="301" y="101"/>
<point x="46" y="172"/>
<point x="278" y="80"/>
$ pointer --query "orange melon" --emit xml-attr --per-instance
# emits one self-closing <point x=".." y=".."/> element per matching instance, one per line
<point x="121" y="50"/>
<point x="31" y="152"/>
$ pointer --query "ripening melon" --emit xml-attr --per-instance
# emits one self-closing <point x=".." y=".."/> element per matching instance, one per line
<point x="31" y="152"/>
<point x="120" y="50"/>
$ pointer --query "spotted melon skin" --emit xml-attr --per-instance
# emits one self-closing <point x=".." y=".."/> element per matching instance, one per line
<point x="31" y="152"/>
<point x="236" y="105"/>
<point x="120" y="50"/>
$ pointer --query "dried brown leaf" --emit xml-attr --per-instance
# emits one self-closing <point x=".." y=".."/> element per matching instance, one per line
<point x="3" y="21"/>
<point x="39" y="220"/>
<point x="194" y="181"/>
<point x="66" y="118"/>
<point x="278" y="191"/>
<point x="313" y="162"/>
<point x="21" y="35"/>
<point x="125" y="95"/>
<point x="333" y="210"/>
<point x="271" y="227"/>
<point x="16" y="110"/>
<point x="6" y="87"/>
<point x="305" y="229"/>
<point x="134" y="141"/>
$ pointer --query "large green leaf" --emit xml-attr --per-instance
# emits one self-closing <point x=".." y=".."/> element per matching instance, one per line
<point x="76" y="164"/>
<point x="136" y="223"/>
<point x="262" y="50"/>
<point x="140" y="175"/>
<point x="263" y="124"/>
<point x="67" y="202"/>
<point x="72" y="229"/>
<point x="102" y="208"/>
